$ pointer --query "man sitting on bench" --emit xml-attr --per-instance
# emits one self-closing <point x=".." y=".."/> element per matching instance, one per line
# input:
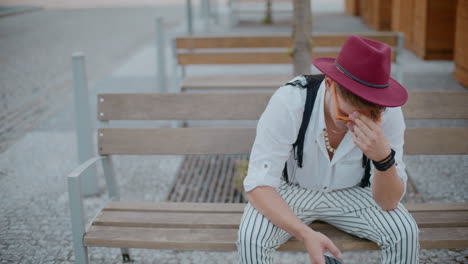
<point x="347" y="170"/>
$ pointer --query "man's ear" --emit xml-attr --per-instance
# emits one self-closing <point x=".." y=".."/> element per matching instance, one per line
<point x="328" y="82"/>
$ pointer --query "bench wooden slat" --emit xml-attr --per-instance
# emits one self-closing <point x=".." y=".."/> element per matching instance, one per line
<point x="197" y="140"/>
<point x="177" y="141"/>
<point x="436" y="207"/>
<point x="218" y="82"/>
<point x="185" y="207"/>
<point x="318" y="40"/>
<point x="438" y="219"/>
<point x="189" y="106"/>
<point x="252" y="57"/>
<point x="161" y="238"/>
<point x="224" y="239"/>
<point x="436" y="141"/>
<point x="338" y="39"/>
<point x="229" y="42"/>
<point x="436" y="104"/>
<point x="250" y="105"/>
<point x="165" y="219"/>
<point x="230" y="220"/>
<point x="200" y="239"/>
<point x="451" y="237"/>
<point x="175" y="220"/>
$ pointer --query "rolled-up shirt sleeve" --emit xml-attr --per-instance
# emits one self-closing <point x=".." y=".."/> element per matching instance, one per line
<point x="394" y="130"/>
<point x="277" y="130"/>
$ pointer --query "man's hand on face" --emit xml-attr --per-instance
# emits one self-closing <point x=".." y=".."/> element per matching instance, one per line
<point x="369" y="136"/>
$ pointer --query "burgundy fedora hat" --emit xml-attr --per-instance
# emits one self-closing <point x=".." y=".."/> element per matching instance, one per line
<point x="363" y="67"/>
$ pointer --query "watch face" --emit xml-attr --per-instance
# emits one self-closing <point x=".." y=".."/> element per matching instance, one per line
<point x="332" y="260"/>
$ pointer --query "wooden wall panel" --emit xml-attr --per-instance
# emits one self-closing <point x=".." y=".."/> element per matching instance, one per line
<point x="352" y="7"/>
<point x="434" y="29"/>
<point x="461" y="43"/>
<point x="377" y="13"/>
<point x="403" y="20"/>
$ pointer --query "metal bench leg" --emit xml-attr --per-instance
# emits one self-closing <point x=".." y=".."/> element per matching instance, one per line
<point x="77" y="219"/>
<point x="184" y="72"/>
<point x="126" y="255"/>
<point x="109" y="172"/>
<point x="112" y="188"/>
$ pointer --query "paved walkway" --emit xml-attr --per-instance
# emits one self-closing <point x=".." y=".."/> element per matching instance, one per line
<point x="74" y="4"/>
<point x="35" y="224"/>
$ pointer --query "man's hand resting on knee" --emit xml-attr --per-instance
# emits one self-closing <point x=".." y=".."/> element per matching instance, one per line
<point x="270" y="204"/>
<point x="317" y="244"/>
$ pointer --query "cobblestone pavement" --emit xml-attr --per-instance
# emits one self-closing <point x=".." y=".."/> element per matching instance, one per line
<point x="34" y="211"/>
<point x="36" y="56"/>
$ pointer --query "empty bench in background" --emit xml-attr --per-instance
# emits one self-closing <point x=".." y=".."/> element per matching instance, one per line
<point x="268" y="49"/>
<point x="214" y="226"/>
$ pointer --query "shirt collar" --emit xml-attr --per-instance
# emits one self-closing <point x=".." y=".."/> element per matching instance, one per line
<point x="320" y="113"/>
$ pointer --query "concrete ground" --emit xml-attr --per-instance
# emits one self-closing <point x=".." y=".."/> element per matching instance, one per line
<point x="34" y="218"/>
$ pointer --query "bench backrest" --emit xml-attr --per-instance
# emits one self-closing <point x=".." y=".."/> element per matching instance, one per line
<point x="249" y="106"/>
<point x="265" y="49"/>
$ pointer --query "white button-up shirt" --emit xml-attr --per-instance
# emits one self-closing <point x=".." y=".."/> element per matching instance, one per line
<point x="277" y="130"/>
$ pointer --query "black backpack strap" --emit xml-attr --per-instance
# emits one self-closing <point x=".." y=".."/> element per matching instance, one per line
<point x="312" y="86"/>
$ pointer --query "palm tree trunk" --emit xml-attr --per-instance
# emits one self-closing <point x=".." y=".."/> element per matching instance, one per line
<point x="301" y="35"/>
<point x="268" y="13"/>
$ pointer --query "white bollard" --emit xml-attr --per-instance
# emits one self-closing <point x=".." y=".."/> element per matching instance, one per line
<point x="215" y="11"/>
<point x="205" y="14"/>
<point x="160" y="56"/>
<point x="83" y="124"/>
<point x="189" y="17"/>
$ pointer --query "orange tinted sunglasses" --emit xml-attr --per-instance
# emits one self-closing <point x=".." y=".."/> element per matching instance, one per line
<point x="338" y="117"/>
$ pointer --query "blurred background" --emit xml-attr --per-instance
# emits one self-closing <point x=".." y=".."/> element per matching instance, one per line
<point x="129" y="46"/>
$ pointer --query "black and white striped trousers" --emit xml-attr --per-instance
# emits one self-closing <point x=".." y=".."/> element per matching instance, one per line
<point x="352" y="210"/>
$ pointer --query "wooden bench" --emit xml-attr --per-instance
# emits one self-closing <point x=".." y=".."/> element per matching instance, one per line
<point x="214" y="226"/>
<point x="260" y="50"/>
